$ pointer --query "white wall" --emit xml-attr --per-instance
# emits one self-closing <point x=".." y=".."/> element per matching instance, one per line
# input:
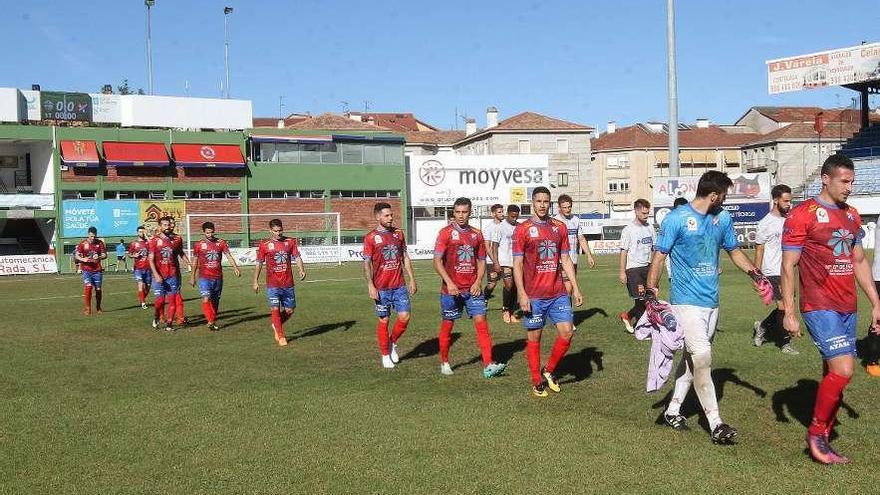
<point x="9" y="105"/>
<point x="42" y="171"/>
<point x="186" y="113"/>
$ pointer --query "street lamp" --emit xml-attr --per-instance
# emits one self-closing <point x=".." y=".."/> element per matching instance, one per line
<point x="149" y="4"/>
<point x="226" y="12"/>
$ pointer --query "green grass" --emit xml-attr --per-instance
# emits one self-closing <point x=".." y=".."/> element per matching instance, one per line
<point x="105" y="404"/>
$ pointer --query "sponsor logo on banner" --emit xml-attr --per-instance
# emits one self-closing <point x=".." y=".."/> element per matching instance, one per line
<point x="830" y="68"/>
<point x="604" y="247"/>
<point x="110" y="217"/>
<point x="28" y="264"/>
<point x="152" y="211"/>
<point x="207" y="152"/>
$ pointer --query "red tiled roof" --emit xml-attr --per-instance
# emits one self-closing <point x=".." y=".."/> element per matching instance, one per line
<point x="434" y="137"/>
<point x="537" y="122"/>
<point x="273" y="121"/>
<point x="333" y="122"/>
<point x="404" y="122"/>
<point x="808" y="114"/>
<point x="636" y="137"/>
<point x="805" y="131"/>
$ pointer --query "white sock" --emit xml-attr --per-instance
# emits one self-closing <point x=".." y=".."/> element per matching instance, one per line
<point x="683" y="380"/>
<point x="705" y="388"/>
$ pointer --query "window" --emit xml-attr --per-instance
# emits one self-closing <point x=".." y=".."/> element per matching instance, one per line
<point x="525" y="147"/>
<point x="330" y="154"/>
<point x="134" y="194"/>
<point x="352" y="153"/>
<point x="562" y="179"/>
<point x="374" y="153"/>
<point x="364" y="194"/>
<point x="562" y="146"/>
<point x="525" y="210"/>
<point x="618" y="187"/>
<point x="310" y="153"/>
<point x="618" y="160"/>
<point x="285" y="194"/>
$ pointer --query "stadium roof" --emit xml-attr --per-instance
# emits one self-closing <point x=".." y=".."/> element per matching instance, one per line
<point x="804" y="131"/>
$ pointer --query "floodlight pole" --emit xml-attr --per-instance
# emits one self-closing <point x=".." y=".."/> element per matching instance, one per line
<point x="672" y="90"/>
<point x="226" y="12"/>
<point x="149" y="4"/>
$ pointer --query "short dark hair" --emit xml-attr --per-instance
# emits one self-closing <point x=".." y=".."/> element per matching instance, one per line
<point x="641" y="203"/>
<point x="564" y="198"/>
<point x="378" y="207"/>
<point x="496" y="206"/>
<point x="539" y="190"/>
<point x="679" y="202"/>
<point x="275" y="223"/>
<point x="778" y="190"/>
<point x="93" y="230"/>
<point x="141" y="227"/>
<point x="462" y="201"/>
<point x="208" y="225"/>
<point x="713" y="181"/>
<point x="512" y="208"/>
<point x="166" y="218"/>
<point x="121" y="241"/>
<point x="837" y="160"/>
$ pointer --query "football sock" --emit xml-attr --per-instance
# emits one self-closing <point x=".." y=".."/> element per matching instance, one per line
<point x="87" y="295"/>
<point x="382" y="336"/>
<point x="769" y="322"/>
<point x="215" y="303"/>
<point x="141" y="296"/>
<point x="484" y="341"/>
<point x="533" y="355"/>
<point x="683" y="381"/>
<point x="178" y="304"/>
<point x="98" y="298"/>
<point x="159" y="308"/>
<point x="560" y="347"/>
<point x="705" y="388"/>
<point x="285" y="316"/>
<point x="276" y="323"/>
<point x="827" y="400"/>
<point x="509" y="299"/>
<point x="172" y="305"/>
<point x="399" y="329"/>
<point x="445" y="339"/>
<point x="784" y="336"/>
<point x="637" y="310"/>
<point x="208" y="310"/>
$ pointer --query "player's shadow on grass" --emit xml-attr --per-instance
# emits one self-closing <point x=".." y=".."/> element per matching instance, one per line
<point x="428" y="348"/>
<point x="583" y="315"/>
<point x="501" y="353"/>
<point x="578" y="366"/>
<point x="197" y="319"/>
<point x="798" y="401"/>
<point x="691" y="405"/>
<point x="321" y="329"/>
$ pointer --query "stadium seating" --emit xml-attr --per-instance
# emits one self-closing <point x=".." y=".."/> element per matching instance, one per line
<point x="864" y="149"/>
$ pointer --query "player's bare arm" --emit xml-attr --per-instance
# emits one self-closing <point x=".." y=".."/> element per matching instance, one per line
<point x="524" y="303"/>
<point x="621" y="276"/>
<point x="193" y="270"/>
<point x="235" y="269"/>
<point x="759" y="255"/>
<point x="412" y="286"/>
<point x="492" y="253"/>
<point x="156" y="276"/>
<point x="658" y="261"/>
<point x="441" y="270"/>
<point x="790" y="322"/>
<point x="368" y="275"/>
<point x="476" y="288"/>
<point x="568" y="268"/>
<point x="866" y="281"/>
<point x="301" y="267"/>
<point x="585" y="246"/>
<point x="257" y="271"/>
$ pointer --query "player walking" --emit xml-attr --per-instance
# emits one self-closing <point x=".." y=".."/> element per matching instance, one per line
<point x="385" y="259"/>
<point x="179" y="312"/>
<point x="166" y="251"/>
<point x="636" y="243"/>
<point x="504" y="247"/>
<point x="575" y="237"/>
<point x="540" y="248"/>
<point x="768" y="255"/>
<point x="822" y="237"/>
<point x="208" y="265"/>
<point x="692" y="235"/>
<point x="139" y="250"/>
<point x="89" y="253"/>
<point x="492" y="236"/>
<point x="277" y="253"/>
<point x="460" y="260"/>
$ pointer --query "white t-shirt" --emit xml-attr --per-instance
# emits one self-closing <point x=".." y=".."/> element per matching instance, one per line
<point x="770" y="235"/>
<point x="876" y="267"/>
<point x="573" y="226"/>
<point x="638" y="241"/>
<point x="505" y="243"/>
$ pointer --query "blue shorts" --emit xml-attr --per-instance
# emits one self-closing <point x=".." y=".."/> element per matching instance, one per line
<point x="145" y="275"/>
<point x="556" y="309"/>
<point x="167" y="287"/>
<point x="833" y="333"/>
<point x="211" y="288"/>
<point x="451" y="306"/>
<point x="284" y="297"/>
<point x="392" y="298"/>
<point x="92" y="279"/>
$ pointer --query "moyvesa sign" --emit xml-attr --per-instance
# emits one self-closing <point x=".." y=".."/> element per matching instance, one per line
<point x="72" y="107"/>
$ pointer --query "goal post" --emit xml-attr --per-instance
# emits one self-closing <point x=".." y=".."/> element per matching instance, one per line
<point x="319" y="234"/>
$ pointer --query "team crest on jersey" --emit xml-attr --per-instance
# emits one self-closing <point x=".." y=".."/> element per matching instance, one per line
<point x="473" y="237"/>
<point x="455" y="234"/>
<point x="692" y="224"/>
<point x="555" y="229"/>
<point x="377" y="239"/>
<point x="204" y="245"/>
<point x="159" y="242"/>
<point x="533" y="231"/>
<point x="850" y="217"/>
<point x="821" y="215"/>
<point x="271" y="245"/>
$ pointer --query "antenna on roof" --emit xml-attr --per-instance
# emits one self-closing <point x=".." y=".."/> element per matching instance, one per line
<point x="345" y="108"/>
<point x="367" y="104"/>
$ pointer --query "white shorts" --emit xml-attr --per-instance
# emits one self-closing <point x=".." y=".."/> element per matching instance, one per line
<point x="698" y="325"/>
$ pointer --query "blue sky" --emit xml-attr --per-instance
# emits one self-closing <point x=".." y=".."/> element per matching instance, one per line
<point x="585" y="61"/>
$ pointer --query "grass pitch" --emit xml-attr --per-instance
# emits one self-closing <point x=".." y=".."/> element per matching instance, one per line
<point x="105" y="404"/>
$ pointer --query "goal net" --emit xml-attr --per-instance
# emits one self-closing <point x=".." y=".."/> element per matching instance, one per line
<point x="318" y="234"/>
